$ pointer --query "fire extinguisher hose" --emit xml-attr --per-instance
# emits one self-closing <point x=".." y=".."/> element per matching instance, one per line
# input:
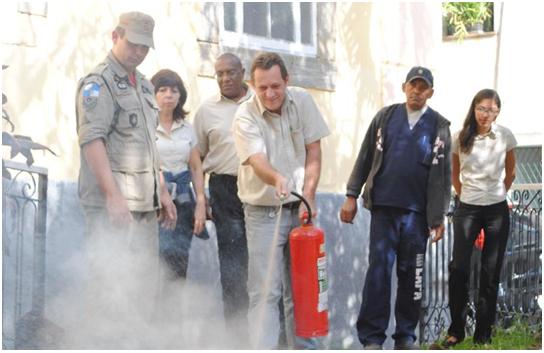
<point x="309" y="220"/>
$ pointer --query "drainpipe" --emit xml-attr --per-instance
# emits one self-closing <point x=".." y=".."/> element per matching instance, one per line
<point x="498" y="50"/>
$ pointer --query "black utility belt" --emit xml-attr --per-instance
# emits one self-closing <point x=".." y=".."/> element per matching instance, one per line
<point x="291" y="205"/>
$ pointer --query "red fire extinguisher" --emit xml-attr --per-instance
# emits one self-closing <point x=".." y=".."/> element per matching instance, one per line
<point x="309" y="277"/>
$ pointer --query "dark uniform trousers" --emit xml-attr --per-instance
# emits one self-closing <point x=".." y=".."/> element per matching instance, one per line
<point x="400" y="234"/>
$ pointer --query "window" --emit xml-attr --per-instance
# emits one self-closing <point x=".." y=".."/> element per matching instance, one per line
<point x="287" y="27"/>
<point x="528" y="165"/>
<point x="467" y="19"/>
<point x="302" y="33"/>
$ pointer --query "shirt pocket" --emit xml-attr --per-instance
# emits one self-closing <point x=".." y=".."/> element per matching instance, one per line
<point x="297" y="137"/>
<point x="425" y="150"/>
<point x="129" y="116"/>
<point x="132" y="185"/>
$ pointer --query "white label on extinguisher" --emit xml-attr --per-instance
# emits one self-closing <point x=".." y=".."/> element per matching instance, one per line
<point x="323" y="284"/>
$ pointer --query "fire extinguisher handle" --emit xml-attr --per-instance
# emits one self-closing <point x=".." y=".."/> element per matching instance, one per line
<point x="309" y="219"/>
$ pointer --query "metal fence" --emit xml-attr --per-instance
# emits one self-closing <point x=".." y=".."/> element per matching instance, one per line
<point x="521" y="276"/>
<point x="24" y="209"/>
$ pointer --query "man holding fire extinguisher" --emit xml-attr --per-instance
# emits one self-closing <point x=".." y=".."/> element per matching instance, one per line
<point x="404" y="163"/>
<point x="277" y="136"/>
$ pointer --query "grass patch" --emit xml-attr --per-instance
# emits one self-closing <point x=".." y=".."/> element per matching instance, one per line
<point x="518" y="336"/>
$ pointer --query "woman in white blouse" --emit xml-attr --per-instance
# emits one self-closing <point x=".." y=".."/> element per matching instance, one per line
<point x="180" y="165"/>
<point x="482" y="172"/>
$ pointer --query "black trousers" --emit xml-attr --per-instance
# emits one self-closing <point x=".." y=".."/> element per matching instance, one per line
<point x="467" y="221"/>
<point x="229" y="221"/>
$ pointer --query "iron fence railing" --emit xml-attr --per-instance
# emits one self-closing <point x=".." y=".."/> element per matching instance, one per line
<point x="521" y="276"/>
<point x="24" y="209"/>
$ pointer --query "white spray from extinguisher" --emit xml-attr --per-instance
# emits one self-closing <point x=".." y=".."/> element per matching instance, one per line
<point x="271" y="257"/>
<point x="266" y="291"/>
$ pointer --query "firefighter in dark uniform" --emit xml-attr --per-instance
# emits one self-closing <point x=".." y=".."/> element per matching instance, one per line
<point x="120" y="184"/>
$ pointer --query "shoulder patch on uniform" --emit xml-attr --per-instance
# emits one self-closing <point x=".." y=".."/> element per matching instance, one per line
<point x="90" y="93"/>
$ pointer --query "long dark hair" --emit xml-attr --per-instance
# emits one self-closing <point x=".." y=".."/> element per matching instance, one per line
<point x="470" y="126"/>
<point x="169" y="78"/>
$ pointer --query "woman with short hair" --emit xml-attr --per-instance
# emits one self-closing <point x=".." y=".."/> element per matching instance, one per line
<point x="180" y="165"/>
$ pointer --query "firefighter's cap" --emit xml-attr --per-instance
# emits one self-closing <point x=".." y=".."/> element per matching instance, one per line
<point x="138" y="28"/>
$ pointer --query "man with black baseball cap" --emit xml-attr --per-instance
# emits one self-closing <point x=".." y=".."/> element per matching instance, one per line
<point x="120" y="185"/>
<point x="404" y="163"/>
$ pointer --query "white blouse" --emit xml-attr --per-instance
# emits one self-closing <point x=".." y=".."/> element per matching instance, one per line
<point x="175" y="149"/>
<point x="482" y="171"/>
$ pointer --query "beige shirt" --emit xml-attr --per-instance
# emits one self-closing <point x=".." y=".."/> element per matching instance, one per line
<point x="175" y="148"/>
<point x="125" y="117"/>
<point x="482" y="171"/>
<point x="282" y="138"/>
<point x="213" y="127"/>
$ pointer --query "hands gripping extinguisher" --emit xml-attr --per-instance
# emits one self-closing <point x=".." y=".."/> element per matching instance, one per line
<point x="309" y="277"/>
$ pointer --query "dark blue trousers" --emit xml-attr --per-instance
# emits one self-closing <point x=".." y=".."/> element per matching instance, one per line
<point x="400" y="234"/>
<point x="174" y="245"/>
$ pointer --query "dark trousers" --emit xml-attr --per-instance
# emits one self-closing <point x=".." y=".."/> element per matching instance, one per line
<point x="174" y="245"/>
<point x="467" y="222"/>
<point x="394" y="234"/>
<point x="228" y="216"/>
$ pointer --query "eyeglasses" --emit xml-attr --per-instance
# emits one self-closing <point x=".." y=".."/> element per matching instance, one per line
<point x="489" y="111"/>
<point x="229" y="74"/>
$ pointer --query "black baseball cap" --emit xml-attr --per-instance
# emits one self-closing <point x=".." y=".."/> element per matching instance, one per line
<point x="422" y="73"/>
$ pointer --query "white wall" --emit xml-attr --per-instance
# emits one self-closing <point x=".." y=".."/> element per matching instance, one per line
<point x="376" y="44"/>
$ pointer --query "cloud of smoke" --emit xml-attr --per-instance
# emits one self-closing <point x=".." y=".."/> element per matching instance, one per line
<point x="126" y="301"/>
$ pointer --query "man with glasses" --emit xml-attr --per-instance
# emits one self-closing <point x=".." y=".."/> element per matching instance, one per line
<point x="213" y="121"/>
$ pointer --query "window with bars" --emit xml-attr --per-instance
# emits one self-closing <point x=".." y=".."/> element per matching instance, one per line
<point x="302" y="33"/>
<point x="528" y="165"/>
<point x="288" y="27"/>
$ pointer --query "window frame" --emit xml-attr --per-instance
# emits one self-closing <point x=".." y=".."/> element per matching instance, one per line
<point x="250" y="41"/>
<point x="314" y="72"/>
<point x="473" y="32"/>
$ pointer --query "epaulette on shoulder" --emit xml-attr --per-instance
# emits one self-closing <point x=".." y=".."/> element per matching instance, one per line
<point x="98" y="70"/>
